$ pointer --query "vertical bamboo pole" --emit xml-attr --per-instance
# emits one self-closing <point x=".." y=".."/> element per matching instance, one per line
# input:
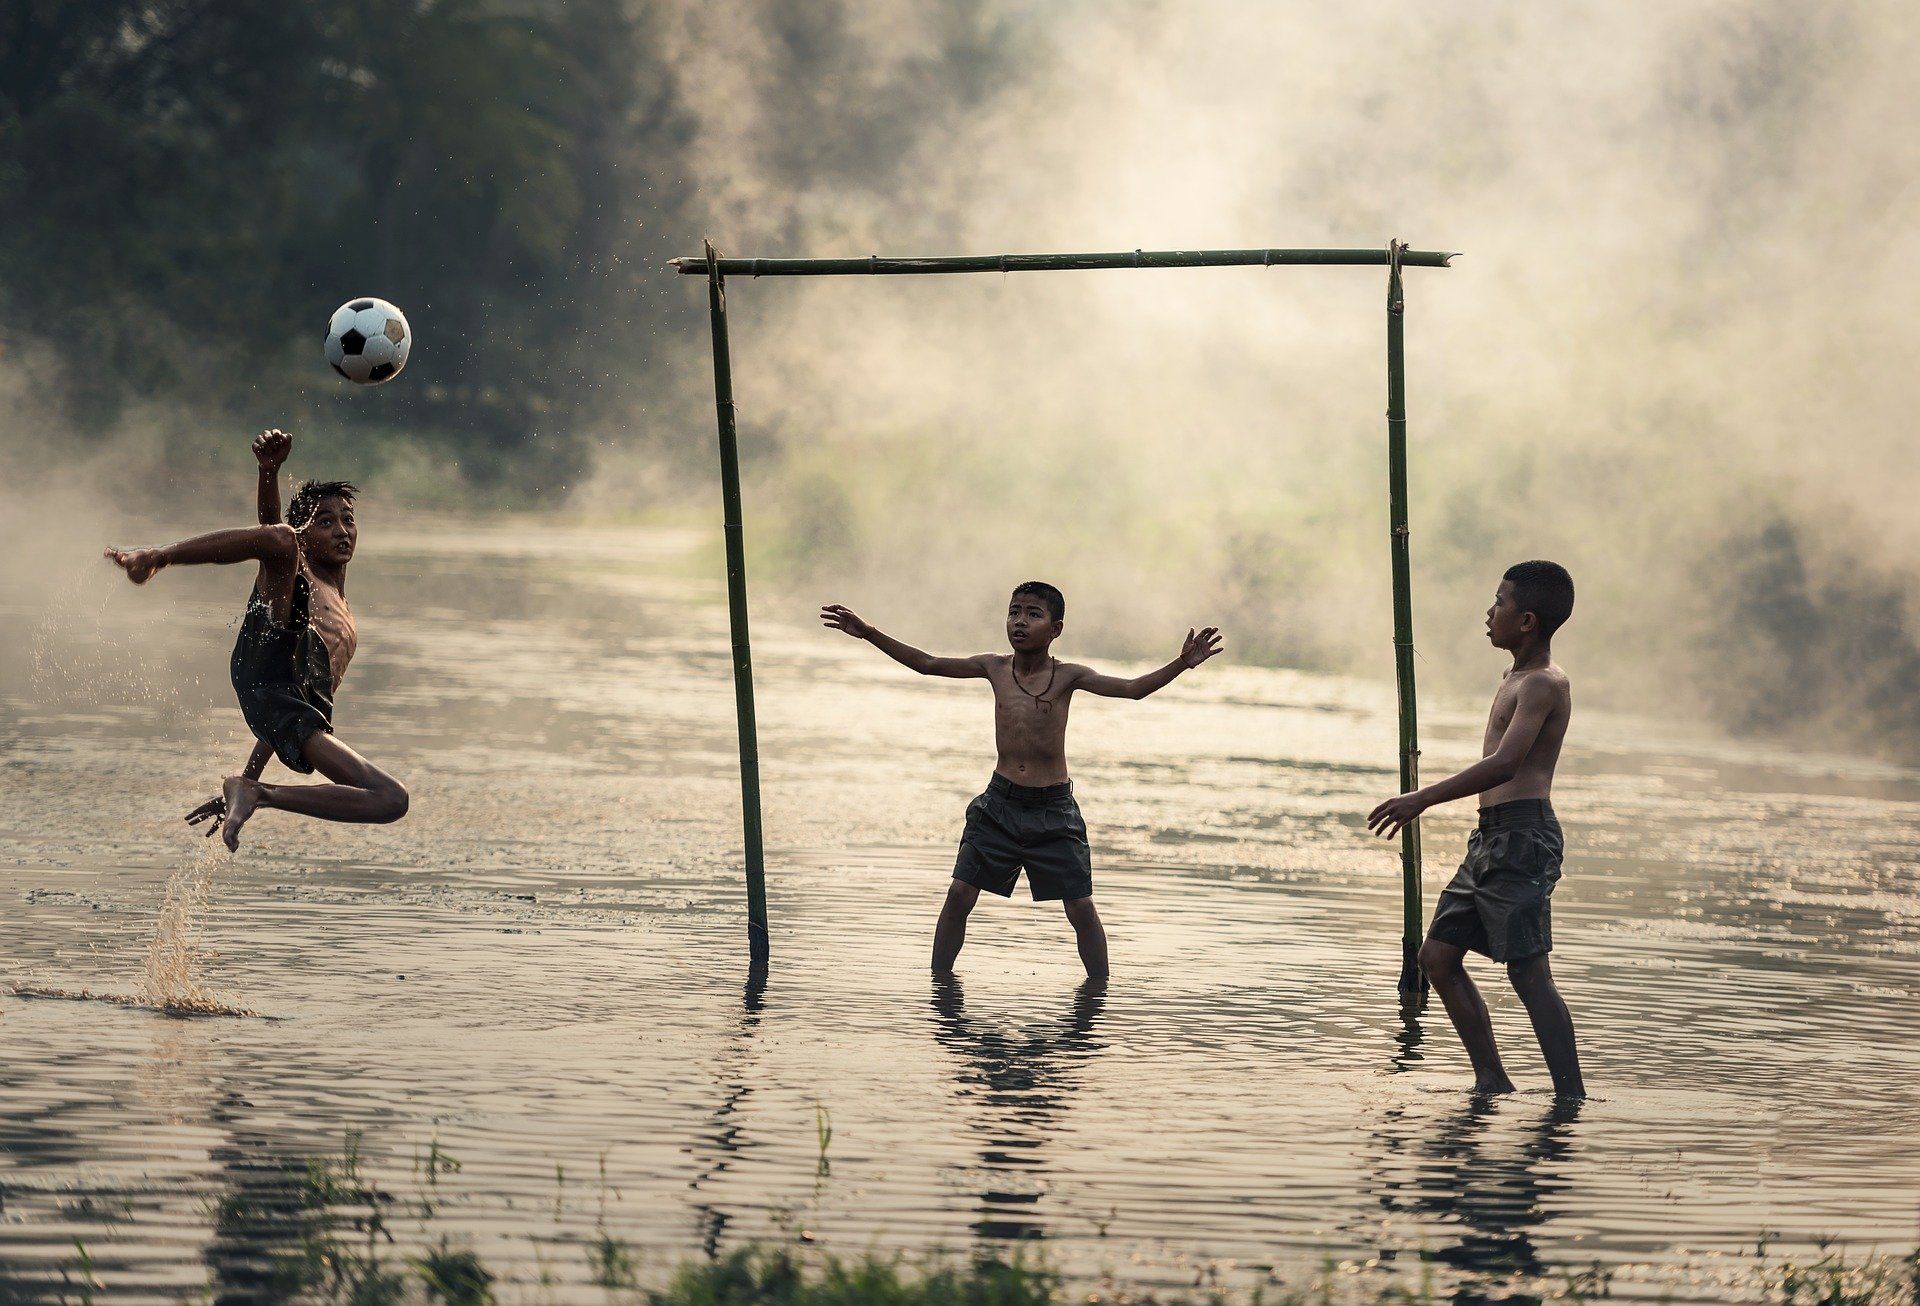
<point x="1411" y="979"/>
<point x="737" y="616"/>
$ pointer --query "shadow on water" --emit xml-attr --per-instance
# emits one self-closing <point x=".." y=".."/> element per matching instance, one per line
<point x="1013" y="1089"/>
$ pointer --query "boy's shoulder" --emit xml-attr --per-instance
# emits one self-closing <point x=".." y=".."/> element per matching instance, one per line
<point x="1551" y="678"/>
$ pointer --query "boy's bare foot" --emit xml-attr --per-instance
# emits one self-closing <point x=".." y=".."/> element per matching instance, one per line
<point x="1491" y="1087"/>
<point x="242" y="796"/>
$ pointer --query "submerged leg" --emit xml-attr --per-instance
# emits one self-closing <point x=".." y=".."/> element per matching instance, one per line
<point x="1552" y="1024"/>
<point x="360" y="793"/>
<point x="951" y="932"/>
<point x="1091" y="936"/>
<point x="1468" y="1011"/>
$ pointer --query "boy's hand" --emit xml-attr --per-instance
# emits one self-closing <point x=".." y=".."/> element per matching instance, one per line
<point x="139" y="564"/>
<point x="1199" y="647"/>
<point x="844" y="620"/>
<point x="270" y="449"/>
<point x="1396" y="814"/>
<point x="213" y="811"/>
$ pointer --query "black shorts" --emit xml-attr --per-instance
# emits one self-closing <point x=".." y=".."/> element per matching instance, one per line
<point x="1011" y="826"/>
<point x="284" y="717"/>
<point x="1499" y="901"/>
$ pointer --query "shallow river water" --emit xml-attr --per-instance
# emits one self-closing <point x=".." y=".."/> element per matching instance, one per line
<point x="540" y="973"/>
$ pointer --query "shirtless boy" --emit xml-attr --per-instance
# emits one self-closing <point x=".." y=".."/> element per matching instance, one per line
<point x="1027" y="817"/>
<point x="296" y="640"/>
<point x="1498" y="902"/>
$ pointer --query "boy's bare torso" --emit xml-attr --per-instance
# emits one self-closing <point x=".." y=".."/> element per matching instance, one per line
<point x="1535" y="776"/>
<point x="332" y="620"/>
<point x="1030" y="719"/>
<point x="327" y="613"/>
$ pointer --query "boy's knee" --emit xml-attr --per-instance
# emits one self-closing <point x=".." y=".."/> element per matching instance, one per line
<point x="961" y="896"/>
<point x="1080" y="911"/>
<point x="394" y="799"/>
<point x="1530" y="976"/>
<point x="1439" y="960"/>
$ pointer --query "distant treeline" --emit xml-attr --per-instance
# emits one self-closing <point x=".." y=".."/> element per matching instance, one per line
<point x="189" y="187"/>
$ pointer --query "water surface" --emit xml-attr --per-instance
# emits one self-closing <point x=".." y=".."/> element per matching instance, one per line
<point x="541" y="970"/>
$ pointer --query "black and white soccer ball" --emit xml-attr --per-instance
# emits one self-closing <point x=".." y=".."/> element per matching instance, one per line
<point x="368" y="341"/>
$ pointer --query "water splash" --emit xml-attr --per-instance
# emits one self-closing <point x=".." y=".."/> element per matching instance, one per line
<point x="174" y="954"/>
<point x="171" y="984"/>
<point x="202" y="1004"/>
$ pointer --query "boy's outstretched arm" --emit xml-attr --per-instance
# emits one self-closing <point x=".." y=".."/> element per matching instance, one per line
<point x="1199" y="646"/>
<point x="274" y="545"/>
<point x="844" y="620"/>
<point x="1495" y="769"/>
<point x="270" y="450"/>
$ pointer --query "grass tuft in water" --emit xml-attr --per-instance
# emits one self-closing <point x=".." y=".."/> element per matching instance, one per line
<point x="777" y="1277"/>
<point x="1832" y="1280"/>
<point x="455" y="1277"/>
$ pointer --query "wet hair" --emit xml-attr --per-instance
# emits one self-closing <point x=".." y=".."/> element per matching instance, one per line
<point x="1053" y="599"/>
<point x="306" y="499"/>
<point x="1544" y="589"/>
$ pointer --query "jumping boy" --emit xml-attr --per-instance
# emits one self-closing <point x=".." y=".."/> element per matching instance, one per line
<point x="295" y="642"/>
<point x="1027" y="817"/>
<point x="1498" y="901"/>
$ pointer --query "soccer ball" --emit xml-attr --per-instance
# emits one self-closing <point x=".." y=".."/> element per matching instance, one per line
<point x="368" y="341"/>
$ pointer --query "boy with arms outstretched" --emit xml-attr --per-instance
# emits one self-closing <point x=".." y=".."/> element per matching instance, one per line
<point x="1498" y="901"/>
<point x="295" y="642"/>
<point x="1027" y="817"/>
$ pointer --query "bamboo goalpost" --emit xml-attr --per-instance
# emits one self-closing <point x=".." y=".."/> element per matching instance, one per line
<point x="1394" y="258"/>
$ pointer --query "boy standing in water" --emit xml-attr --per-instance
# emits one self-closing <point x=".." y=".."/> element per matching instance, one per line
<point x="1498" y="901"/>
<point x="1027" y="817"/>
<point x="295" y="642"/>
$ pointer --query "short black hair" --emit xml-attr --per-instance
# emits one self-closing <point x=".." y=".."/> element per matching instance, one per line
<point x="306" y="499"/>
<point x="1544" y="589"/>
<point x="1055" y="601"/>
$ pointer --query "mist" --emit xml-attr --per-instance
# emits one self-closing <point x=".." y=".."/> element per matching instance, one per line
<point x="1672" y="354"/>
<point x="1671" y="357"/>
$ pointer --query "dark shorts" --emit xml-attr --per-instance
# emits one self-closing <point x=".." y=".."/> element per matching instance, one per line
<point x="1498" y="901"/>
<point x="284" y="717"/>
<point x="282" y="677"/>
<point x="1011" y="826"/>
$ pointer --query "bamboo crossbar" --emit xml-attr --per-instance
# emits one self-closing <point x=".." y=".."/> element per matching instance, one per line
<point x="875" y="266"/>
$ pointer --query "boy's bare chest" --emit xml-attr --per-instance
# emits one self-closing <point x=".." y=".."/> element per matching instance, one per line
<point x="1499" y="717"/>
<point x="332" y="620"/>
<point x="1033" y="713"/>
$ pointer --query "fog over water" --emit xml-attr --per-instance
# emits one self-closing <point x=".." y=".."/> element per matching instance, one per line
<point x="1673" y="356"/>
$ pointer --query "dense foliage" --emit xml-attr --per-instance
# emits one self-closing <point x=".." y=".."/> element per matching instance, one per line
<point x="188" y="188"/>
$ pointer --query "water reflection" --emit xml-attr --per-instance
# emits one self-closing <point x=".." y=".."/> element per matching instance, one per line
<point x="1407" y="1042"/>
<point x="722" y="1141"/>
<point x="1490" y="1192"/>
<point x="270" y="1203"/>
<point x="1014" y="1088"/>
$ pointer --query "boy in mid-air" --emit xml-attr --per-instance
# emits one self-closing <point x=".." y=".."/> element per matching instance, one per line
<point x="296" y="640"/>
<point x="1497" y="903"/>
<point x="1027" y="817"/>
